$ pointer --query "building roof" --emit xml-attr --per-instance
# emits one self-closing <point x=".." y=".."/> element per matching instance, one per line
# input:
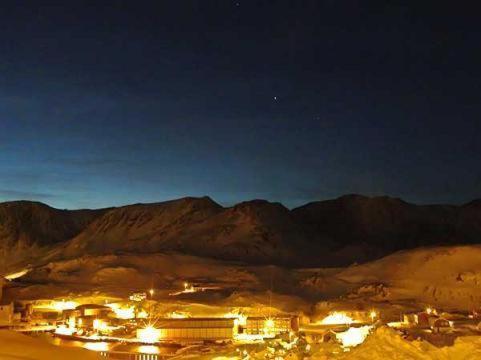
<point x="193" y="323"/>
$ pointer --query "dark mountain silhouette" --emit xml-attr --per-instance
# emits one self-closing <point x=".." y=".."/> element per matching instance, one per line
<point x="386" y="224"/>
<point x="352" y="228"/>
<point x="255" y="231"/>
<point x="26" y="227"/>
<point x="36" y="223"/>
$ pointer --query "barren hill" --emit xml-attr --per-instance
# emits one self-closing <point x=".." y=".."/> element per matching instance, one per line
<point x="255" y="231"/>
<point x="386" y="224"/>
<point x="144" y="227"/>
<point x="26" y="227"/>
<point x="442" y="276"/>
<point x="352" y="228"/>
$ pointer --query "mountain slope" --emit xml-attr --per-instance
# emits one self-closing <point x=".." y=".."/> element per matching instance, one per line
<point x="27" y="227"/>
<point x="255" y="231"/>
<point x="442" y="276"/>
<point x="388" y="224"/>
<point x="337" y="232"/>
<point x="143" y="227"/>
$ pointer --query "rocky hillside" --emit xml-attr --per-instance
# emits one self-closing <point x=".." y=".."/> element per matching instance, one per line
<point x="36" y="223"/>
<point x="26" y="227"/>
<point x="385" y="224"/>
<point x="349" y="229"/>
<point x="255" y="231"/>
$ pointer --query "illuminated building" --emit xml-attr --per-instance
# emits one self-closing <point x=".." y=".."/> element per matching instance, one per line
<point x="196" y="329"/>
<point x="273" y="325"/>
<point x="88" y="316"/>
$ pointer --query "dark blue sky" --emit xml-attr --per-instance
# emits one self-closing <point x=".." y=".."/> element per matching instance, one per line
<point x="110" y="102"/>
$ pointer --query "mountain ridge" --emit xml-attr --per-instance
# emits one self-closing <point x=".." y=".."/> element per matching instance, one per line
<point x="351" y="228"/>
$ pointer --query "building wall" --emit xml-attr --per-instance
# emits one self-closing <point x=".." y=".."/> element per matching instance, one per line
<point x="6" y="313"/>
<point x="195" y="323"/>
<point x="96" y="312"/>
<point x="255" y="326"/>
<point x="196" y="333"/>
<point x="196" y="329"/>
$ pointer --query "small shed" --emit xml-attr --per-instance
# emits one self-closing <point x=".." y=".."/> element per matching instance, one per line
<point x="439" y="324"/>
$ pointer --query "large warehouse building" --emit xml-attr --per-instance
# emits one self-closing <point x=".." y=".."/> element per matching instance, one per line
<point x="196" y="329"/>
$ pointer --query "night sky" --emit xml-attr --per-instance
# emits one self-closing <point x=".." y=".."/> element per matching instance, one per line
<point x="112" y="102"/>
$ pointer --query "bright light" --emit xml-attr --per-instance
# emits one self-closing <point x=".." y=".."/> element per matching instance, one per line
<point x="337" y="318"/>
<point x="64" y="305"/>
<point x="177" y="315"/>
<point x="142" y="314"/>
<point x="396" y="324"/>
<point x="139" y="296"/>
<point x="354" y="336"/>
<point x="100" y="325"/>
<point x="96" y="346"/>
<point x="151" y="292"/>
<point x="430" y="310"/>
<point x="269" y="326"/>
<point x="148" y="335"/>
<point x="71" y="322"/>
<point x="239" y="319"/>
<point x="122" y="312"/>
<point x="63" y="330"/>
<point x="148" y="349"/>
<point x="373" y="315"/>
<point x="188" y="288"/>
<point x="16" y="275"/>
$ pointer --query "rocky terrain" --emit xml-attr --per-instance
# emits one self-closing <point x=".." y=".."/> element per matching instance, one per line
<point x="256" y="256"/>
<point x="337" y="232"/>
<point x="384" y="224"/>
<point x="444" y="277"/>
<point x="27" y="228"/>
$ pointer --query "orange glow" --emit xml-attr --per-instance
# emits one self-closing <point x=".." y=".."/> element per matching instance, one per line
<point x="239" y="319"/>
<point x="122" y="312"/>
<point x="354" y="336"/>
<point x="149" y="349"/>
<point x="269" y="328"/>
<point x="148" y="335"/>
<point x="177" y="315"/>
<point x="431" y="311"/>
<point x="337" y="318"/>
<point x="96" y="346"/>
<point x="57" y="305"/>
<point x="100" y="325"/>
<point x="63" y="330"/>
